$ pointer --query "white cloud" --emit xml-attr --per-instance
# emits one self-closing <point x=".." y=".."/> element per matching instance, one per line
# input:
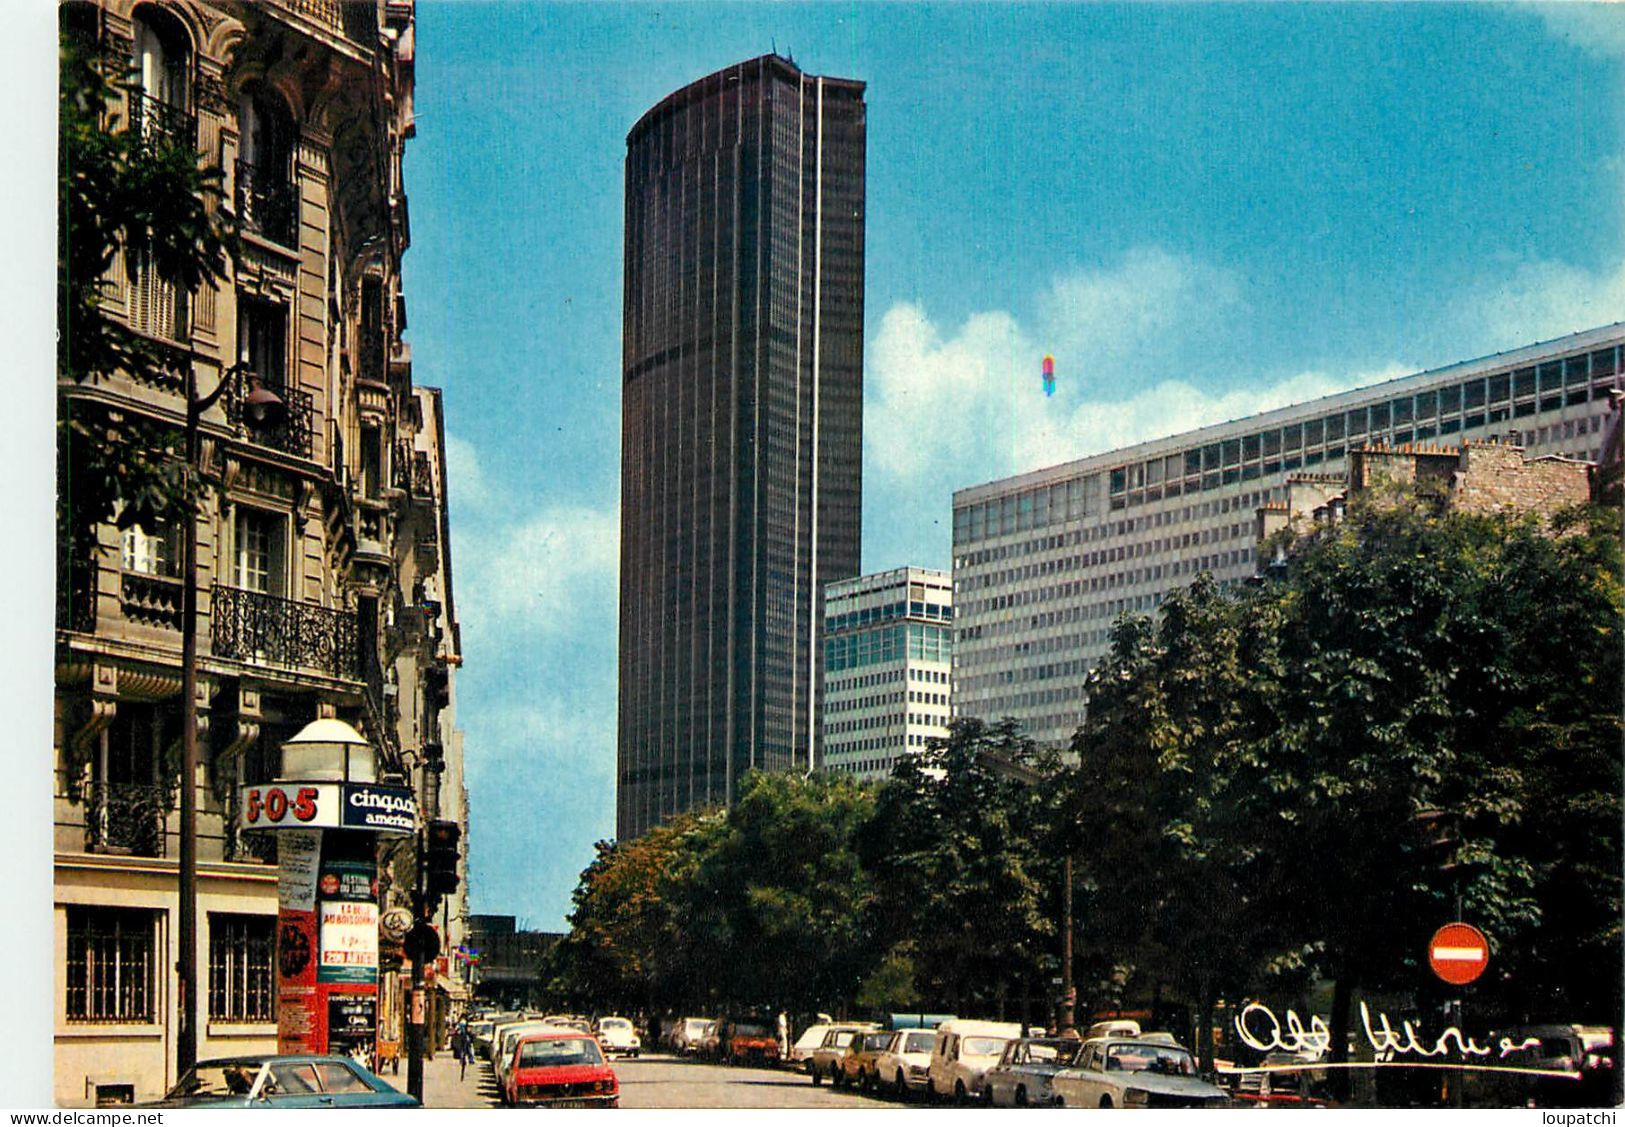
<point x="1598" y="28"/>
<point x="950" y="407"/>
<point x="537" y="576"/>
<point x="1546" y="300"/>
<point x="468" y="489"/>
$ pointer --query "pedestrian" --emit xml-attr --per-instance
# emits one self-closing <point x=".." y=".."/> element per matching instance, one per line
<point x="462" y="1048"/>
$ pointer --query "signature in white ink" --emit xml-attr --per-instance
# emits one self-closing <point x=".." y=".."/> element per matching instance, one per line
<point x="1259" y="1028"/>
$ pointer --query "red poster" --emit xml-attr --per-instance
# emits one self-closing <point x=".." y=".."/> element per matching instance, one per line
<point x="301" y="1023"/>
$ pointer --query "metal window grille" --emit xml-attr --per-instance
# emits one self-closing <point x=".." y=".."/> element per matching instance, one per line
<point x="110" y="961"/>
<point x="241" y="982"/>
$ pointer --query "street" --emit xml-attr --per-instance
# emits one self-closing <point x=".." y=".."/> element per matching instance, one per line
<point x="654" y="1081"/>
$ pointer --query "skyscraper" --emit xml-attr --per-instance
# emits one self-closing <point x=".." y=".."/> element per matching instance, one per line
<point x="742" y="433"/>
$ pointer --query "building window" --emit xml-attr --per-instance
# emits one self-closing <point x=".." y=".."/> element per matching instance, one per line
<point x="261" y="551"/>
<point x="262" y="332"/>
<point x="241" y="982"/>
<point x="110" y="961"/>
<point x="152" y="553"/>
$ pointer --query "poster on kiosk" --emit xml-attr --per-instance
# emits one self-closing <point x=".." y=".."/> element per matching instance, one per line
<point x="328" y="815"/>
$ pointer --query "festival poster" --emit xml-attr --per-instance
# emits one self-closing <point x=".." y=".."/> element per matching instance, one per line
<point x="348" y="931"/>
<point x="300" y="1022"/>
<point x="348" y="880"/>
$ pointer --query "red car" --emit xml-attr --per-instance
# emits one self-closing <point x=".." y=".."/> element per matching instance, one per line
<point x="561" y="1068"/>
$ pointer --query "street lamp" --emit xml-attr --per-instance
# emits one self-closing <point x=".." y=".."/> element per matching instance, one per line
<point x="262" y="408"/>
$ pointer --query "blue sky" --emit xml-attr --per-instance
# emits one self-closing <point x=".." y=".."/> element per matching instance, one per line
<point x="1202" y="211"/>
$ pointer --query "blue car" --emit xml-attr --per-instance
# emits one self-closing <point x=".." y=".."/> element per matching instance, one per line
<point x="282" y="1082"/>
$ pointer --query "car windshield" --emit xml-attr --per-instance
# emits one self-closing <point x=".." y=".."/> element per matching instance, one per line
<point x="982" y="1046"/>
<point x="616" y="1023"/>
<point x="218" y="1078"/>
<point x="750" y="1029"/>
<point x="1150" y="1058"/>
<point x="559" y="1051"/>
<point x="874" y="1042"/>
<point x="841" y="1038"/>
<point x="919" y="1042"/>
<point x="1052" y="1052"/>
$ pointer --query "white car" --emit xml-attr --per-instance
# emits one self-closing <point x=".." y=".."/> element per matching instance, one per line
<point x="810" y="1039"/>
<point x="906" y="1062"/>
<point x="1147" y="1071"/>
<point x="963" y="1052"/>
<point x="618" y="1035"/>
<point x="685" y="1039"/>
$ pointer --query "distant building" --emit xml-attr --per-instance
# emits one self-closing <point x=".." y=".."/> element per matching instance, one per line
<point x="742" y="430"/>
<point x="510" y="967"/>
<point x="888" y="648"/>
<point x="1045" y="562"/>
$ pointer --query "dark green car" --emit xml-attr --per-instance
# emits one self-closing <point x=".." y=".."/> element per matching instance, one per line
<point x="282" y="1082"/>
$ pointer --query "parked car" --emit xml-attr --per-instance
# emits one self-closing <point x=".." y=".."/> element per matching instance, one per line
<point x="905" y="1063"/>
<point x="561" y="1068"/>
<point x="1022" y="1076"/>
<point x="859" y="1066"/>
<point x="826" y="1058"/>
<point x="1134" y="1072"/>
<point x="810" y="1039"/>
<point x="685" y="1039"/>
<point x="282" y="1082"/>
<point x="508" y="1037"/>
<point x="1283" y="1080"/>
<point x="748" y="1041"/>
<point x="619" y="1035"/>
<point x="570" y="1021"/>
<point x="963" y="1052"/>
<point x="1584" y="1049"/>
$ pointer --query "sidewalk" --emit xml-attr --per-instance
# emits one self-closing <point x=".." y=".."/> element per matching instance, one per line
<point x="442" y="1088"/>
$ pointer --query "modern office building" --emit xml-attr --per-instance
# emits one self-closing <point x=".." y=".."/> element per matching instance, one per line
<point x="323" y="577"/>
<point x="742" y="396"/>
<point x="888" y="648"/>
<point x="1045" y="562"/>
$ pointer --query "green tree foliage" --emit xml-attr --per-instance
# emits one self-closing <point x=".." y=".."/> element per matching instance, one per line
<point x="1292" y="750"/>
<point x="144" y="197"/>
<point x="967" y="867"/>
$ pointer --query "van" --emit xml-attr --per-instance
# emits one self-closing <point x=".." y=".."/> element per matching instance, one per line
<point x="963" y="1052"/>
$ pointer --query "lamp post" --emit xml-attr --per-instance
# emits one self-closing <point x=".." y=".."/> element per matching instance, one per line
<point x="263" y="408"/>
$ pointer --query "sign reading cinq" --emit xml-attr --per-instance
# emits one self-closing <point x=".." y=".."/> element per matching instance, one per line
<point x="334" y="806"/>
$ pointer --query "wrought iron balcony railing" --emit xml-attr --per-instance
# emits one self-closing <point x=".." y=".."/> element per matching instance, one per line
<point x="412" y="472"/>
<point x="126" y="818"/>
<point x="268" y="204"/>
<point x="270" y="630"/>
<point x="292" y="435"/>
<point x="153" y="120"/>
<point x="151" y="599"/>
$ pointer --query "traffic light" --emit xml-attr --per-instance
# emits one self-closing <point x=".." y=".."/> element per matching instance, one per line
<point x="440" y="857"/>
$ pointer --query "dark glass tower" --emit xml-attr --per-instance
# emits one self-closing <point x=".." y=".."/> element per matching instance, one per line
<point x="742" y="429"/>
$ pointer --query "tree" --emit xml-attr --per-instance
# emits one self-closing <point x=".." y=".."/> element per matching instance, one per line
<point x="143" y="196"/>
<point x="1166" y="794"/>
<point x="966" y="871"/>
<point x="1276" y="757"/>
<point x="781" y="898"/>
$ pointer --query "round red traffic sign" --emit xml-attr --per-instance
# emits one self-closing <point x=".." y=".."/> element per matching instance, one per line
<point x="1458" y="953"/>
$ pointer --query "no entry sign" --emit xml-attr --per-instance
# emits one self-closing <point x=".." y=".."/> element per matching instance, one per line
<point x="1458" y="953"/>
